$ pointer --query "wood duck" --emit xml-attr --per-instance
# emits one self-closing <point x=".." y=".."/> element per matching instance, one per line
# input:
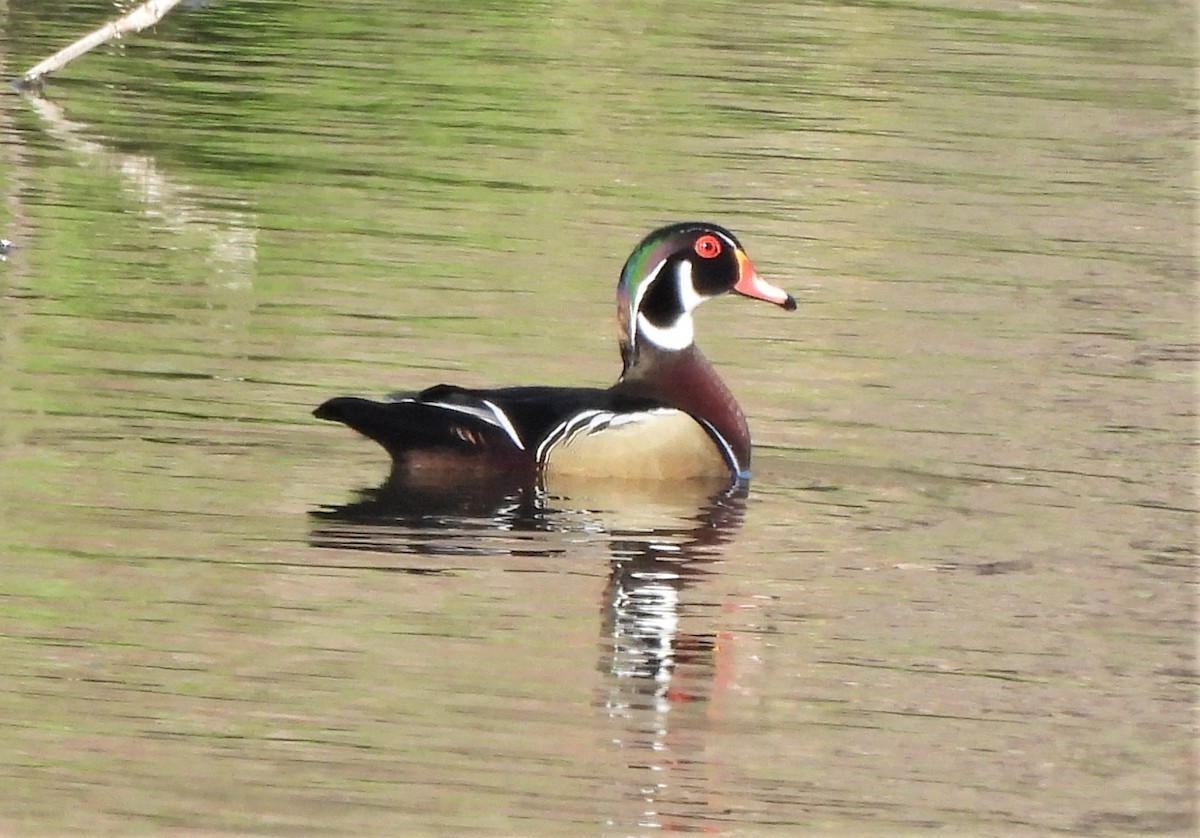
<point x="669" y="416"/>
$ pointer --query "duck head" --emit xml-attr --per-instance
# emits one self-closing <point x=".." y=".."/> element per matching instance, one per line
<point x="670" y="273"/>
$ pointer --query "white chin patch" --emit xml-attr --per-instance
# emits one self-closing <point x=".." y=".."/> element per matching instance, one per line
<point x="679" y="335"/>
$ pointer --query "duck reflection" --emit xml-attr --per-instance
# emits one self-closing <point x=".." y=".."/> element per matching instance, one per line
<point x="499" y="503"/>
<point x="661" y="665"/>
<point x="656" y="653"/>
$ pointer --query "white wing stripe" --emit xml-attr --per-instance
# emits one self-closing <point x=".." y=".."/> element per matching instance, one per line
<point x="740" y="470"/>
<point x="505" y="425"/>
<point x="489" y="413"/>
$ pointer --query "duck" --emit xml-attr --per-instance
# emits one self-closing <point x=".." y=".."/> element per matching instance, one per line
<point x="668" y="416"/>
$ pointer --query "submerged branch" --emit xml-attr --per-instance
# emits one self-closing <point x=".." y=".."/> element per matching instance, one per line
<point x="145" y="15"/>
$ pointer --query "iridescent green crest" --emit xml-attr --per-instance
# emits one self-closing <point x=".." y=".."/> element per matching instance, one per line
<point x="641" y="267"/>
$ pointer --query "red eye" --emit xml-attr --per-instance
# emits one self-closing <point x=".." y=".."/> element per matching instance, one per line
<point x="708" y="246"/>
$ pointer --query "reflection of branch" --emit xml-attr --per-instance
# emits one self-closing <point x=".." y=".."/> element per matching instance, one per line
<point x="144" y="15"/>
<point x="232" y="235"/>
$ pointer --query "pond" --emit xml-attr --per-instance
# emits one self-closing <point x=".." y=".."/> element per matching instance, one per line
<point x="958" y="595"/>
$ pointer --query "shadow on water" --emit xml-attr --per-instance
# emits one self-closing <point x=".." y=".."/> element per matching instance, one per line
<point x="661" y="540"/>
<point x="397" y="516"/>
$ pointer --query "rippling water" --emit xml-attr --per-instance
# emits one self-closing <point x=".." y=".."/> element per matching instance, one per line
<point x="957" y="597"/>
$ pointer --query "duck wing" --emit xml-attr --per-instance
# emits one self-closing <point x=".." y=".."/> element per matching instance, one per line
<point x="507" y="422"/>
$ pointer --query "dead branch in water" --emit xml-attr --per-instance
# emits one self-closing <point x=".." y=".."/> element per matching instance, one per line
<point x="147" y="14"/>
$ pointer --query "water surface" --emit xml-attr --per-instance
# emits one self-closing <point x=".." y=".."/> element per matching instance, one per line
<point x="957" y="597"/>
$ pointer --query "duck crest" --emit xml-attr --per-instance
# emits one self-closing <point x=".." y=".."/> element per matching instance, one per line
<point x="642" y="268"/>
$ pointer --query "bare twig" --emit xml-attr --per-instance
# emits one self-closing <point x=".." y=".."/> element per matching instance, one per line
<point x="144" y="15"/>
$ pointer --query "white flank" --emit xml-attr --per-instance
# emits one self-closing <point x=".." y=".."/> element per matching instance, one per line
<point x="592" y="422"/>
